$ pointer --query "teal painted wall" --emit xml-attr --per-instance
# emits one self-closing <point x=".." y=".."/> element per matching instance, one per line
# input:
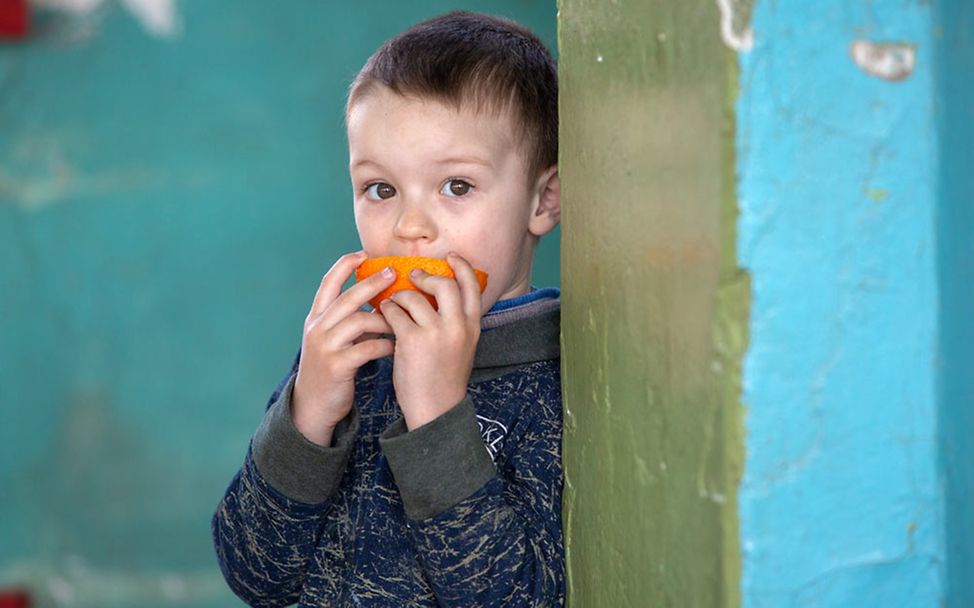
<point x="854" y="156"/>
<point x="167" y="208"/>
<point x="955" y="64"/>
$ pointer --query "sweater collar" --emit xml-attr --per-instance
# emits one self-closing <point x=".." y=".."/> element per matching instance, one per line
<point x="516" y="335"/>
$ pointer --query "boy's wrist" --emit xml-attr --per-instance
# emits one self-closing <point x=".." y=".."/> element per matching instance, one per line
<point x="295" y="466"/>
<point x="439" y="464"/>
<point x="418" y="416"/>
<point x="315" y="431"/>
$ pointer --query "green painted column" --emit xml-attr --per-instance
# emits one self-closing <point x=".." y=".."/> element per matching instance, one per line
<point x="654" y="307"/>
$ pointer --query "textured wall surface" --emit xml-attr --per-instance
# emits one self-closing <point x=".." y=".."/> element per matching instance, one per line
<point x="170" y="196"/>
<point x="654" y="309"/>
<point x="845" y="221"/>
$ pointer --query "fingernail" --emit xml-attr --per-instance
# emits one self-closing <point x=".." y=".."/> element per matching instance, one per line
<point x="415" y="272"/>
<point x="388" y="272"/>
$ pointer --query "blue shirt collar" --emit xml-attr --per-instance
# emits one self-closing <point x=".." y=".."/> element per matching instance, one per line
<point x="532" y="296"/>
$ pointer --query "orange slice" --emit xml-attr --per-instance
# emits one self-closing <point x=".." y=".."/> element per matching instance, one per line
<point x="403" y="265"/>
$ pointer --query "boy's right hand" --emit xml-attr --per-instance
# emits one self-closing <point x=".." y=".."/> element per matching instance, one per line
<point x="335" y="344"/>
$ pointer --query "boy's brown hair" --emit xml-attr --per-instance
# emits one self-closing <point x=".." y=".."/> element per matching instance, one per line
<point x="467" y="58"/>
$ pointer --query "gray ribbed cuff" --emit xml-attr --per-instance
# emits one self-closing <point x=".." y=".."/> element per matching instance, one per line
<point x="440" y="463"/>
<point x="296" y="467"/>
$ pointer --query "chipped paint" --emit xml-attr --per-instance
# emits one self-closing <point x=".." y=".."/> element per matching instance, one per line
<point x="159" y="18"/>
<point x="63" y="185"/>
<point x="735" y="29"/>
<point x="892" y="61"/>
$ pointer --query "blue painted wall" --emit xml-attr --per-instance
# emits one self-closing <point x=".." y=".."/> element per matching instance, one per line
<point x="855" y="226"/>
<point x="955" y="94"/>
<point x="167" y="208"/>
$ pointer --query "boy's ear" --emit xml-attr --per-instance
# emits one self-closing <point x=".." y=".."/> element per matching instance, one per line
<point x="546" y="211"/>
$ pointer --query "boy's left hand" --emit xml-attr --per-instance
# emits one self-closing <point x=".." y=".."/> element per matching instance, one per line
<point x="434" y="348"/>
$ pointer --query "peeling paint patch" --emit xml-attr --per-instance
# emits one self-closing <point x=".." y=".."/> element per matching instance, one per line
<point x="735" y="24"/>
<point x="62" y="183"/>
<point x="892" y="61"/>
<point x="158" y="17"/>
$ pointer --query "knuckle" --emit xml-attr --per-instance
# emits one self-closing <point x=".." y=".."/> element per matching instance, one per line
<point x="312" y="326"/>
<point x="314" y="329"/>
<point x="407" y="296"/>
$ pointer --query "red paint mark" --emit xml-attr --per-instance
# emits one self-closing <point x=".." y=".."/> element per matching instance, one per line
<point x="14" y="598"/>
<point x="14" y="23"/>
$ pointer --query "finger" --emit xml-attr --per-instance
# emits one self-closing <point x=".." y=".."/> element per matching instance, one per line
<point x="469" y="285"/>
<point x="417" y="306"/>
<point x="331" y="283"/>
<point x="353" y="327"/>
<point x="372" y="336"/>
<point x="353" y="298"/>
<point x="444" y="289"/>
<point x="397" y="317"/>
<point x="368" y="350"/>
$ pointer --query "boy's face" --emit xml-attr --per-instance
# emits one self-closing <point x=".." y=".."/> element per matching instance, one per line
<point x="429" y="179"/>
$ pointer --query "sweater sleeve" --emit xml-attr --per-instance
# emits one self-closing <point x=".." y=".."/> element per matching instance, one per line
<point x="485" y="537"/>
<point x="268" y="524"/>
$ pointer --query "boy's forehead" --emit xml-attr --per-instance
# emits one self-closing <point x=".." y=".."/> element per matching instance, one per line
<point x="378" y="118"/>
<point x="472" y="103"/>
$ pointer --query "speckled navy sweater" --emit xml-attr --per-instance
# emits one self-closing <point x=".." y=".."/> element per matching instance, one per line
<point x="463" y="511"/>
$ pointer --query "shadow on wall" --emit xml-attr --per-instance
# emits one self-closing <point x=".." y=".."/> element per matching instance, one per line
<point x="955" y="52"/>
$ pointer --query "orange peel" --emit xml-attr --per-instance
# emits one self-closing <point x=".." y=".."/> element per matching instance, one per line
<point x="403" y="264"/>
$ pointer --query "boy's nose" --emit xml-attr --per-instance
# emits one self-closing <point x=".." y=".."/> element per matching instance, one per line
<point x="414" y="223"/>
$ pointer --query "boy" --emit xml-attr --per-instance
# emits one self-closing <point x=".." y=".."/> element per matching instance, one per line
<point x="412" y="457"/>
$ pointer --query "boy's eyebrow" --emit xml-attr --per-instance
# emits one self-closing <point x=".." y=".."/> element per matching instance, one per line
<point x="365" y="161"/>
<point x="458" y="160"/>
<point x="463" y="160"/>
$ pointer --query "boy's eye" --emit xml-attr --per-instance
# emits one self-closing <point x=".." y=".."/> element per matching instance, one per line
<point x="379" y="191"/>
<point x="455" y="187"/>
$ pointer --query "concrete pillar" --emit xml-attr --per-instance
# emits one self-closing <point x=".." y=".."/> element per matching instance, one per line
<point x="654" y="309"/>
